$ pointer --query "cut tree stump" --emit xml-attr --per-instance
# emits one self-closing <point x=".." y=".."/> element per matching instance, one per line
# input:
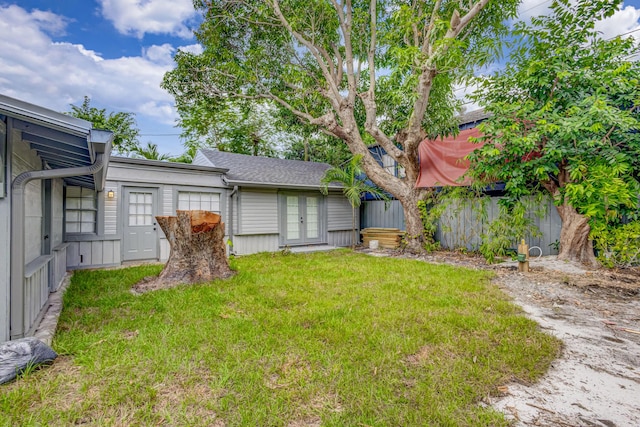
<point x="197" y="253"/>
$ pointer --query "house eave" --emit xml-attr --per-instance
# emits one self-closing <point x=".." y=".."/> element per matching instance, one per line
<point x="239" y="183"/>
<point x="129" y="161"/>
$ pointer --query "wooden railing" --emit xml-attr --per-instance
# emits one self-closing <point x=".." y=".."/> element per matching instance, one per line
<point x="35" y="291"/>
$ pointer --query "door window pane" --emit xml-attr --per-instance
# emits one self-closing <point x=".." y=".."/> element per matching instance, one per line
<point x="313" y="224"/>
<point x="140" y="209"/>
<point x="293" y="227"/>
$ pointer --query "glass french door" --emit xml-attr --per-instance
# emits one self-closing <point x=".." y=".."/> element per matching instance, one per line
<point x="302" y="219"/>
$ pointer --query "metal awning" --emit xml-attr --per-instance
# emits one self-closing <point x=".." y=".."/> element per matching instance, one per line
<point x="61" y="141"/>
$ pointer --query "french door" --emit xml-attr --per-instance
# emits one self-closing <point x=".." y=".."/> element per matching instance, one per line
<point x="302" y="221"/>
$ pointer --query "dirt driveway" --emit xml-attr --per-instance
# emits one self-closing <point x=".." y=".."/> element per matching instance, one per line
<point x="596" y="380"/>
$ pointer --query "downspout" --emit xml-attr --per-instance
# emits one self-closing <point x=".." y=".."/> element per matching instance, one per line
<point x="18" y="327"/>
<point x="233" y="192"/>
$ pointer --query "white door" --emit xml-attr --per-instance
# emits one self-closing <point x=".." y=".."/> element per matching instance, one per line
<point x="302" y="219"/>
<point x="140" y="229"/>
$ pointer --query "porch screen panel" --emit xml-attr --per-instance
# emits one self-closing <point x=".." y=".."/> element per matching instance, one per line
<point x="140" y="209"/>
<point x="193" y="200"/>
<point x="293" y="229"/>
<point x="313" y="220"/>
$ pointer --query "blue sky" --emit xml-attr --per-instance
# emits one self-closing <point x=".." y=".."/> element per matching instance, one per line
<point x="54" y="52"/>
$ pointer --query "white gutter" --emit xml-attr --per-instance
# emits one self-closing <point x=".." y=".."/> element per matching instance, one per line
<point x="18" y="326"/>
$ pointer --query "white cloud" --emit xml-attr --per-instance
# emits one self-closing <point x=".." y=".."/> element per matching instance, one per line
<point x="196" y="49"/>
<point x="35" y="69"/>
<point x="160" y="54"/>
<point x="530" y="8"/>
<point x="623" y="21"/>
<point x="138" y="17"/>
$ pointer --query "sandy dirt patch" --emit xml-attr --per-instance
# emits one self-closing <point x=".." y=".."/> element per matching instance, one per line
<point x="596" y="379"/>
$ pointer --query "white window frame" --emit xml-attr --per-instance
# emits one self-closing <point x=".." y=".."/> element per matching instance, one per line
<point x="191" y="193"/>
<point x="84" y="203"/>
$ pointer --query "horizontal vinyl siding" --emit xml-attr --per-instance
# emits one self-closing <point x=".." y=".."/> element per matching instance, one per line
<point x="244" y="245"/>
<point x="258" y="212"/>
<point x="339" y="213"/>
<point x="340" y="238"/>
<point x="167" y="207"/>
<point x="111" y="208"/>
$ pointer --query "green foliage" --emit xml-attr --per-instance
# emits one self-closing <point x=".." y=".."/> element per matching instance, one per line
<point x="123" y="125"/>
<point x="618" y="246"/>
<point x="241" y="127"/>
<point x="149" y="152"/>
<point x="431" y="209"/>
<point x="318" y="148"/>
<point x="353" y="180"/>
<point x="565" y="115"/>
<point x="514" y="222"/>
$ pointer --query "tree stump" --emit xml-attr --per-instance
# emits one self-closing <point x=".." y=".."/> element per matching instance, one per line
<point x="197" y="253"/>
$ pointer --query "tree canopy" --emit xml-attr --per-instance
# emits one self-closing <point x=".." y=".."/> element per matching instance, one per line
<point x="365" y="72"/>
<point x="123" y="125"/>
<point x="565" y="120"/>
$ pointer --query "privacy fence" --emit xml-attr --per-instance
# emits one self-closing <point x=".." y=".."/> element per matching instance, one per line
<point x="464" y="222"/>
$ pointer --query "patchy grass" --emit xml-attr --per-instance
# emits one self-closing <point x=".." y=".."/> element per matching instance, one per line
<point x="335" y="339"/>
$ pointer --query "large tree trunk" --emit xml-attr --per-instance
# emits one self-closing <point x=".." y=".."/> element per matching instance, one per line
<point x="197" y="250"/>
<point x="414" y="228"/>
<point x="575" y="244"/>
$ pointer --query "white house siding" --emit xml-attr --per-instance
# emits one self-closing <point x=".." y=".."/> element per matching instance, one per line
<point x="244" y="245"/>
<point x="339" y="213"/>
<point x="25" y="159"/>
<point x="258" y="212"/>
<point x="168" y="204"/>
<point x="151" y="176"/>
<point x="111" y="208"/>
<point x="340" y="238"/>
<point x="340" y="221"/>
<point x="5" y="248"/>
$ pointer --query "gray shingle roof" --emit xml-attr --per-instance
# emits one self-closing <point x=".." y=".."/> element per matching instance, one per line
<point x="266" y="170"/>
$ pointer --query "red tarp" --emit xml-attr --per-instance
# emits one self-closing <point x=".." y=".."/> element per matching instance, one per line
<point x="442" y="160"/>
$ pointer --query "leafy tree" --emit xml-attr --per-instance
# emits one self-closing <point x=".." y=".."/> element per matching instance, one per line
<point x="318" y="148"/>
<point x="355" y="185"/>
<point x="150" y="152"/>
<point x="123" y="125"/>
<point x="186" y="157"/>
<point x="379" y="71"/>
<point x="565" y="121"/>
<point x="238" y="127"/>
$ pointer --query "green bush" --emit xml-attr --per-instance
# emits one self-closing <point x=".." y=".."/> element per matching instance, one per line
<point x="618" y="246"/>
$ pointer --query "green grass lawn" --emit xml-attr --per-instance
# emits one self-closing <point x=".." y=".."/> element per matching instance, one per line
<point x="331" y="339"/>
